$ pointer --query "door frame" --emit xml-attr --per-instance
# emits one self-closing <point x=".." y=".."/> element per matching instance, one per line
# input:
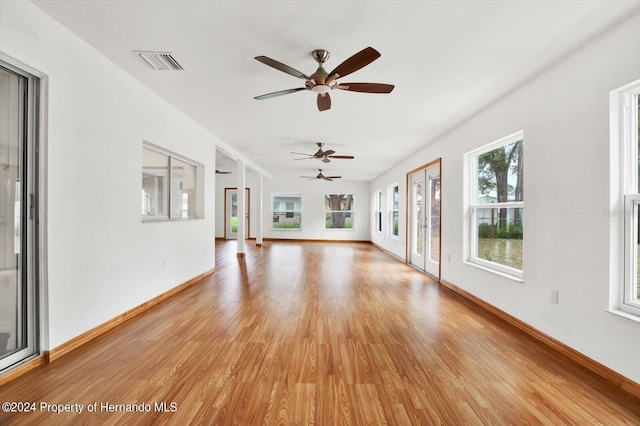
<point x="33" y="216"/>
<point x="247" y="210"/>
<point x="407" y="258"/>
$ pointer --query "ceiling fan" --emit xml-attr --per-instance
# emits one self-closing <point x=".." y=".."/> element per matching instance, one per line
<point x="325" y="156"/>
<point x="320" y="176"/>
<point x="322" y="82"/>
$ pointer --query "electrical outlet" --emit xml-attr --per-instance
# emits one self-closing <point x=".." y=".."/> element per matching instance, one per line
<point x="554" y="296"/>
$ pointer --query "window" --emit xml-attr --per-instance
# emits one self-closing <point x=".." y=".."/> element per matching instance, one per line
<point x="496" y="205"/>
<point x="287" y="211"/>
<point x="168" y="195"/>
<point x="393" y="210"/>
<point x="339" y="211"/>
<point x="377" y="200"/>
<point x="629" y="138"/>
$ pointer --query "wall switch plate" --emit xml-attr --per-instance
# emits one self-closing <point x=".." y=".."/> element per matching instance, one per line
<point x="554" y="296"/>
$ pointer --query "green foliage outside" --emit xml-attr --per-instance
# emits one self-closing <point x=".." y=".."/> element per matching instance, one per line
<point x="512" y="231"/>
<point x="395" y="226"/>
<point x="286" y="225"/>
<point x="234" y="224"/>
<point x="348" y="223"/>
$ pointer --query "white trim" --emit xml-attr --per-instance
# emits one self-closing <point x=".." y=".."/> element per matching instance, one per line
<point x="626" y="198"/>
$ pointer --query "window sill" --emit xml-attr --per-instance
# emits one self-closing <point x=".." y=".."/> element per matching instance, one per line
<point x="624" y="314"/>
<point x="286" y="229"/>
<point x="493" y="271"/>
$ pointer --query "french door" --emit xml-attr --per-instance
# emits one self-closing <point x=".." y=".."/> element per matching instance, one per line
<point x="424" y="219"/>
<point x="231" y="214"/>
<point x="18" y="178"/>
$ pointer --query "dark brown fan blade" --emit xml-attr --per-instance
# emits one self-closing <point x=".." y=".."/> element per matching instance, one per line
<point x="333" y="177"/>
<point x="221" y="172"/>
<point x="324" y="102"/>
<point x="345" y="157"/>
<point x="354" y="63"/>
<point x="282" y="67"/>
<point x="366" y="87"/>
<point x="328" y="152"/>
<point x="279" y="93"/>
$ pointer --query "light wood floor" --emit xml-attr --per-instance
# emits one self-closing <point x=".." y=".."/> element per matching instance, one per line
<point x="319" y="333"/>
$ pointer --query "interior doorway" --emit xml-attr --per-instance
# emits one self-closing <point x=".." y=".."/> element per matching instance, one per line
<point x="424" y="202"/>
<point x="231" y="213"/>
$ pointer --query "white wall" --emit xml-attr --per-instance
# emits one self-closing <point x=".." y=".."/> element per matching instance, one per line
<point x="102" y="260"/>
<point x="564" y="113"/>
<point x="313" y="209"/>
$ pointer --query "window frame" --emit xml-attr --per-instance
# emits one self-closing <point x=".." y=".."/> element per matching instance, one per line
<point x="352" y="213"/>
<point x="393" y="209"/>
<point x="473" y="206"/>
<point x="377" y="200"/>
<point x="628" y="128"/>
<point x="286" y="212"/>
<point x="198" y="191"/>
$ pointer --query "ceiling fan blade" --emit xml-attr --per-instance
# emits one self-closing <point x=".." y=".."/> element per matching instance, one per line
<point x="301" y="153"/>
<point x="328" y="152"/>
<point x="324" y="102"/>
<point x="326" y="160"/>
<point x="282" y="67"/>
<point x="344" y="157"/>
<point x="366" y="87"/>
<point x="326" y="178"/>
<point x="333" y="177"/>
<point x="355" y="62"/>
<point x="279" y="93"/>
<point x="307" y="158"/>
<point x="308" y="177"/>
<point x="221" y="172"/>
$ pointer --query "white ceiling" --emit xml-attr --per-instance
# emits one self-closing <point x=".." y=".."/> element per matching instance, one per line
<point x="448" y="59"/>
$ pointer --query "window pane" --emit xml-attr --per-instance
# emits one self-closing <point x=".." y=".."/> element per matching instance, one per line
<point x="155" y="183"/>
<point x="394" y="197"/>
<point x="499" y="236"/>
<point x="434" y="219"/>
<point x="499" y="174"/>
<point x="394" y="223"/>
<point x="286" y="211"/>
<point x="183" y="194"/>
<point x="339" y="208"/>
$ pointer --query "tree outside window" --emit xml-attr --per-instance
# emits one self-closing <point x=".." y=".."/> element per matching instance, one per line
<point x="339" y="211"/>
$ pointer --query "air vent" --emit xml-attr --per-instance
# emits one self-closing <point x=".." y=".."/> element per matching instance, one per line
<point x="160" y="61"/>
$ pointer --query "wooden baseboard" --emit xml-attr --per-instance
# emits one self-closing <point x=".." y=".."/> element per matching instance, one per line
<point x="87" y="336"/>
<point x="309" y="240"/>
<point x="601" y="370"/>
<point x="240" y="254"/>
<point x="22" y="369"/>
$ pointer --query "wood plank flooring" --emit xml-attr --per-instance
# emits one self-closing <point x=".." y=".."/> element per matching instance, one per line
<point x="317" y="333"/>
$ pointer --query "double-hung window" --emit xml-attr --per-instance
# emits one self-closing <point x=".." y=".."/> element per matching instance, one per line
<point x="287" y="211"/>
<point x="394" y="215"/>
<point x="496" y="205"/>
<point x="339" y="211"/>
<point x="628" y="108"/>
<point x="377" y="200"/>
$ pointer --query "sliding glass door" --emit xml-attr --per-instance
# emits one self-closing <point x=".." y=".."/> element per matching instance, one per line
<point x="18" y="325"/>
